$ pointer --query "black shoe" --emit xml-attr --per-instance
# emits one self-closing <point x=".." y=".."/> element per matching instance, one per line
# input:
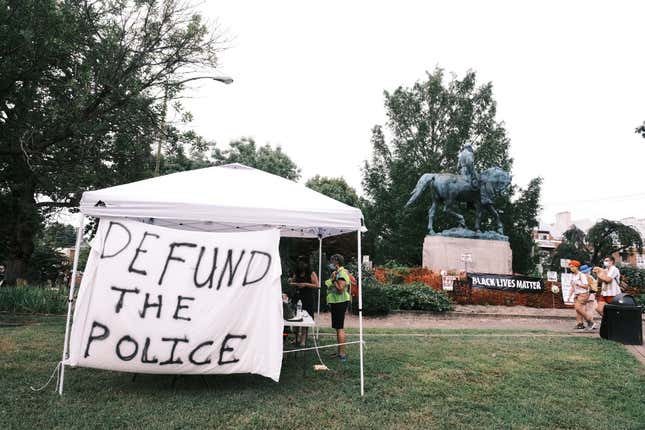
<point x="579" y="326"/>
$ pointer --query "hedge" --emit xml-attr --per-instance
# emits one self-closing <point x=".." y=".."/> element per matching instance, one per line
<point x="33" y="300"/>
<point x="417" y="297"/>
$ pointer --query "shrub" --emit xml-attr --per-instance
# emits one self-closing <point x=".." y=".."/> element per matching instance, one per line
<point x="418" y="297"/>
<point x="31" y="299"/>
<point x="633" y="277"/>
<point x="375" y="299"/>
<point x="47" y="265"/>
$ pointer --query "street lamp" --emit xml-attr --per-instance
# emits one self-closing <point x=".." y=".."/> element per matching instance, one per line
<point x="223" y="79"/>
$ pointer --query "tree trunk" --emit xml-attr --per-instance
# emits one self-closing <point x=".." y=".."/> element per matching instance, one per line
<point x="24" y="222"/>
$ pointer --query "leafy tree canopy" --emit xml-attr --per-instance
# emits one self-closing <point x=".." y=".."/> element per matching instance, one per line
<point x="607" y="237"/>
<point x="427" y="125"/>
<point x="81" y="85"/>
<point x="641" y="129"/>
<point x="57" y="235"/>
<point x="336" y="188"/>
<point x="604" y="238"/>
<point x="245" y="151"/>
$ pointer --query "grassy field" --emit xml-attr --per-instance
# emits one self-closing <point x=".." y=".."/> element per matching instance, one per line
<point x="465" y="381"/>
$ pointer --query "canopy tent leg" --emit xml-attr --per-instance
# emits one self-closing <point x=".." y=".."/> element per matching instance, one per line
<point x="360" y="307"/>
<point x="319" y="281"/>
<point x="72" y="285"/>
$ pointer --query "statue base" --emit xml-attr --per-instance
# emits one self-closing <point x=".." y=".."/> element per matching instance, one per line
<point x="470" y="234"/>
<point x="488" y="255"/>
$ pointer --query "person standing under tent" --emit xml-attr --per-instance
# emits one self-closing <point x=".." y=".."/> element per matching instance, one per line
<point x="337" y="299"/>
<point x="306" y="280"/>
<point x="610" y="278"/>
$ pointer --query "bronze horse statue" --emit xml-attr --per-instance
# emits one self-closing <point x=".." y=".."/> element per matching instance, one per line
<point x="448" y="189"/>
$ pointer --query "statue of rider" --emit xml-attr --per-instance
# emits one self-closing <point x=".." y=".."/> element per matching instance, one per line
<point x="466" y="165"/>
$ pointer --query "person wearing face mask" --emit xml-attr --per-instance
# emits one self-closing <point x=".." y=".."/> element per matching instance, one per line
<point x="337" y="299"/>
<point x="610" y="278"/>
<point x="306" y="280"/>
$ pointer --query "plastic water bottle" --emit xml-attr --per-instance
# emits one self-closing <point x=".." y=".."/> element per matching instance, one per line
<point x="299" y="308"/>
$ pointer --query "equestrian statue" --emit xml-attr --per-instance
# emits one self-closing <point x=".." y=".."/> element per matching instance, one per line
<point x="479" y="189"/>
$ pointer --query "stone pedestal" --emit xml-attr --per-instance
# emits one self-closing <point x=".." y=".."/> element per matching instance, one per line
<point x="488" y="256"/>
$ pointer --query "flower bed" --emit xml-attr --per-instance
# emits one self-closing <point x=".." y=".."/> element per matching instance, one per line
<point x="464" y="294"/>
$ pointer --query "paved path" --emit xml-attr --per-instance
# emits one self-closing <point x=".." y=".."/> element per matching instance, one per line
<point x="558" y="322"/>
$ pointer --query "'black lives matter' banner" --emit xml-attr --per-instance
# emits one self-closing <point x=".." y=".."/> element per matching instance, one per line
<point x="159" y="300"/>
<point x="506" y="282"/>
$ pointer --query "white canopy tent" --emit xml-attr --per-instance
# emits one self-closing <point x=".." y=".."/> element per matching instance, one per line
<point x="226" y="198"/>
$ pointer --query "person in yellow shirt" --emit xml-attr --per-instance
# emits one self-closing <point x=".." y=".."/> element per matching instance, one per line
<point x="337" y="298"/>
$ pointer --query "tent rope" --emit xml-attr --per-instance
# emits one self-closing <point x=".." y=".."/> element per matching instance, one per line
<point x="322" y="346"/>
<point x="56" y="373"/>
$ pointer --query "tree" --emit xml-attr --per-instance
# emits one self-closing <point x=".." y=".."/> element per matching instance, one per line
<point x="520" y="218"/>
<point x="244" y="151"/>
<point x="81" y="85"/>
<point x="336" y="188"/>
<point x="604" y="238"/>
<point x="608" y="237"/>
<point x="174" y="159"/>
<point x="57" y="235"/>
<point x="428" y="123"/>
<point x="572" y="247"/>
<point x="641" y="129"/>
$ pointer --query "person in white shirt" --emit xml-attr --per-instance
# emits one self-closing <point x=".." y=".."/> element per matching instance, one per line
<point x="580" y="291"/>
<point x="610" y="277"/>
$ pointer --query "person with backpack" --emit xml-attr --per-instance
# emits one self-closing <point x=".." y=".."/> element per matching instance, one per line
<point x="338" y="297"/>
<point x="580" y="292"/>
<point x="610" y="278"/>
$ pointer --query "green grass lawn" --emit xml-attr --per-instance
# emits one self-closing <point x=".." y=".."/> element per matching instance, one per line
<point x="411" y="382"/>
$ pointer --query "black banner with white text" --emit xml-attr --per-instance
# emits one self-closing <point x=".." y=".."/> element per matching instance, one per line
<point x="514" y="283"/>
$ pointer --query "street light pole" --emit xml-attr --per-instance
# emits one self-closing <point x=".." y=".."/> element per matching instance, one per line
<point x="223" y="79"/>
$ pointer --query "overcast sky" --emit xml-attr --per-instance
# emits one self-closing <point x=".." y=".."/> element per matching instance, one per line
<point x="567" y="77"/>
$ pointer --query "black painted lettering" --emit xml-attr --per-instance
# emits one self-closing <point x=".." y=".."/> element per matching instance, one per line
<point x="231" y="271"/>
<point x="180" y="307"/>
<point x="144" y="353"/>
<point x="132" y="354"/>
<point x="138" y="251"/>
<point x="226" y="348"/>
<point x="119" y="304"/>
<point x="175" y="341"/>
<point x="172" y="257"/>
<point x="107" y="235"/>
<point x="93" y="337"/>
<point x="248" y="267"/>
<point x="147" y="304"/>
<point x="191" y="357"/>
<point x="208" y="280"/>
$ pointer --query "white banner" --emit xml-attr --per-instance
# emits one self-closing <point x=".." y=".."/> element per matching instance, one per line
<point x="448" y="282"/>
<point x="159" y="300"/>
<point x="565" y="284"/>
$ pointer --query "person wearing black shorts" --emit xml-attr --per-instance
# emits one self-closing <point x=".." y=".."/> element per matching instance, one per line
<point x="337" y="298"/>
<point x="338" y="315"/>
<point x="306" y="280"/>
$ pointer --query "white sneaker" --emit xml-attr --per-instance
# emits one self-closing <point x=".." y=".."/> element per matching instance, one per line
<point x="591" y="327"/>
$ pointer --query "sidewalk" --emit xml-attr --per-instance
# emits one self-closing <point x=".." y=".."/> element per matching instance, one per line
<point x="558" y="321"/>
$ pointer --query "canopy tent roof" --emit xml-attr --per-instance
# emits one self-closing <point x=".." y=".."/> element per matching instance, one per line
<point x="225" y="198"/>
